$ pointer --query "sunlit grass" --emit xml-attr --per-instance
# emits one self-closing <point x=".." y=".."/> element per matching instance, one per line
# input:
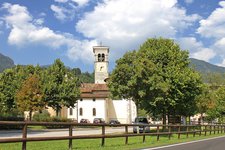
<point x="110" y="143"/>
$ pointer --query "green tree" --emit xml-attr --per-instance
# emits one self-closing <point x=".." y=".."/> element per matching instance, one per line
<point x="157" y="78"/>
<point x="205" y="101"/>
<point x="8" y="87"/>
<point x="29" y="96"/>
<point x="217" y="110"/>
<point x="122" y="80"/>
<point x="61" y="87"/>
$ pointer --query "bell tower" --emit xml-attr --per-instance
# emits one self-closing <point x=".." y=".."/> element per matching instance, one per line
<point x="101" y="63"/>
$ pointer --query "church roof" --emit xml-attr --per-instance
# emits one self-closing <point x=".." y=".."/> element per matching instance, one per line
<point x="91" y="90"/>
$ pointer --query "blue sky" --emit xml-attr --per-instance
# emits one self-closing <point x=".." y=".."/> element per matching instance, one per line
<point x="39" y="31"/>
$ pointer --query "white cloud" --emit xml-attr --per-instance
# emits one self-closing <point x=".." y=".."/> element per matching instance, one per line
<point x="196" y="49"/>
<point x="39" y="21"/>
<point x="25" y="31"/>
<point x="61" y="1"/>
<point x="81" y="2"/>
<point x="125" y="24"/>
<point x="67" y="9"/>
<point x="189" y="1"/>
<point x="222" y="64"/>
<point x="60" y="12"/>
<point x="213" y="27"/>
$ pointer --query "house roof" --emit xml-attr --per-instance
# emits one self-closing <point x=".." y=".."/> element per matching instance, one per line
<point x="91" y="90"/>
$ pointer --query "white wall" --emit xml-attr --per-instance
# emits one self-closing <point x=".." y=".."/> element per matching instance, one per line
<point x="87" y="105"/>
<point x="122" y="110"/>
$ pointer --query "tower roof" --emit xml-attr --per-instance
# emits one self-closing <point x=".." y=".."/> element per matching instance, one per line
<point x="100" y="48"/>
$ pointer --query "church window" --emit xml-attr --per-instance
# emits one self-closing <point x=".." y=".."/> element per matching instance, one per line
<point x="71" y="111"/>
<point x="99" y="57"/>
<point x="81" y="112"/>
<point x="103" y="57"/>
<point x="94" y="111"/>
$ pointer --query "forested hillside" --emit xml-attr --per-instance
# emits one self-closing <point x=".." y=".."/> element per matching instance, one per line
<point x="5" y="62"/>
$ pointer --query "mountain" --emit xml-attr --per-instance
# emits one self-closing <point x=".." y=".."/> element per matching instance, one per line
<point x="199" y="65"/>
<point x="205" y="67"/>
<point x="5" y="62"/>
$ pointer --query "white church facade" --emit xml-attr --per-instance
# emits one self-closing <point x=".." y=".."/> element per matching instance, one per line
<point x="95" y="102"/>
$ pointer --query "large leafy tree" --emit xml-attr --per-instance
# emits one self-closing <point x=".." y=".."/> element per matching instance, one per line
<point x="10" y="82"/>
<point x="205" y="101"/>
<point x="61" y="87"/>
<point x="217" y="110"/>
<point x="8" y="87"/>
<point x="29" y="96"/>
<point x="158" y="78"/>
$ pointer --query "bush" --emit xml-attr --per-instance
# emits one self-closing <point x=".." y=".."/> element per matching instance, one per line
<point x="58" y="119"/>
<point x="43" y="116"/>
<point x="11" y="118"/>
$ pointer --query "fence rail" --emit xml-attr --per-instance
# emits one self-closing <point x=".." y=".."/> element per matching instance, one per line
<point x="158" y="130"/>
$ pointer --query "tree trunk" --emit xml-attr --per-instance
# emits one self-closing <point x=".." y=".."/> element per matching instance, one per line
<point x="30" y="115"/>
<point x="58" y="111"/>
<point x="201" y="121"/>
<point x="164" y="120"/>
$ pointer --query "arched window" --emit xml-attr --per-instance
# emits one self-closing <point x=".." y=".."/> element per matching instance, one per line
<point x="94" y="111"/>
<point x="103" y="57"/>
<point x="71" y="111"/>
<point x="81" y="112"/>
<point x="99" y="57"/>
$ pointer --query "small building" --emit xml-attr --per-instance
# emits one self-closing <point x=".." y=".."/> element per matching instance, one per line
<point x="95" y="101"/>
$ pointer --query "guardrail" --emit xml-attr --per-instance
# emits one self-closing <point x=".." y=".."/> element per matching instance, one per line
<point x="155" y="130"/>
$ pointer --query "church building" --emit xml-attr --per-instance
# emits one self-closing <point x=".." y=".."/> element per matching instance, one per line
<point x="95" y="102"/>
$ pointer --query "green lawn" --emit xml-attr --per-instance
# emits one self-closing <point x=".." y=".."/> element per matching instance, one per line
<point x="110" y="144"/>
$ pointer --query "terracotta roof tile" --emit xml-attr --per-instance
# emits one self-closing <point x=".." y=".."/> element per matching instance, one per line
<point x="91" y="90"/>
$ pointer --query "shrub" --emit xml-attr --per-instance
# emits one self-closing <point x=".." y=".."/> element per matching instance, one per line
<point x="43" y="116"/>
<point x="8" y="117"/>
<point x="58" y="119"/>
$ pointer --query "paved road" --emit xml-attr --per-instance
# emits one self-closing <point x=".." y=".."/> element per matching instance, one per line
<point x="60" y="132"/>
<point x="217" y="143"/>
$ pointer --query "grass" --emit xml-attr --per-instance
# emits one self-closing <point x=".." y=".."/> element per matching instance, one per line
<point x="110" y="144"/>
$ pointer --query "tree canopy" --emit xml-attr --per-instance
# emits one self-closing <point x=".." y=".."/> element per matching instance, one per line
<point x="58" y="84"/>
<point x="29" y="96"/>
<point x="157" y="78"/>
<point x="61" y="87"/>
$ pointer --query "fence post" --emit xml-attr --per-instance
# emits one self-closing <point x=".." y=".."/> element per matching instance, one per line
<point x="210" y="132"/>
<point x="24" y="145"/>
<point x="214" y="127"/>
<point x="194" y="131"/>
<point x="218" y="129"/>
<point x="143" y="134"/>
<point x="178" y="132"/>
<point x="169" y="132"/>
<point x="157" y="132"/>
<point x="103" y="134"/>
<point x="70" y="134"/>
<point x="200" y="133"/>
<point x="187" y="130"/>
<point x="126" y="131"/>
<point x="205" y="130"/>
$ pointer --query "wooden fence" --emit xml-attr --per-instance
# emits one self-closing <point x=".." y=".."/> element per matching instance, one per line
<point x="155" y="130"/>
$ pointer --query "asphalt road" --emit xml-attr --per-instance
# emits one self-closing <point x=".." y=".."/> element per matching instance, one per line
<point x="60" y="132"/>
<point x="217" y="143"/>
